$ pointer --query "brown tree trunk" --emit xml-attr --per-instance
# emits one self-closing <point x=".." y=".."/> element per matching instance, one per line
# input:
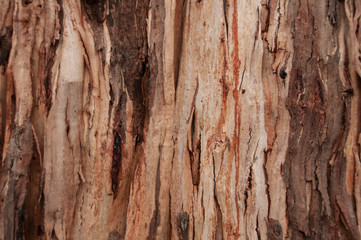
<point x="180" y="119"/>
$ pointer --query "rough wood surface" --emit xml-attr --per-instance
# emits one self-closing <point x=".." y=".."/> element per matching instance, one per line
<point x="180" y="119"/>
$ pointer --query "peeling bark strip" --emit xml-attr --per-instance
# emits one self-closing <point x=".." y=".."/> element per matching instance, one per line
<point x="180" y="119"/>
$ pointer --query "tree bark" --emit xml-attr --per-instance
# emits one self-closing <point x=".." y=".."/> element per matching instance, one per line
<point x="180" y="119"/>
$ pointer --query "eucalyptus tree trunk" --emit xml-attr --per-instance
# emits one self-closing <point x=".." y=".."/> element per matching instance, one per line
<point x="180" y="119"/>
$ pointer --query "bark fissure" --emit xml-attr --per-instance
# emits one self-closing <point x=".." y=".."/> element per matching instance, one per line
<point x="225" y="9"/>
<point x="179" y="23"/>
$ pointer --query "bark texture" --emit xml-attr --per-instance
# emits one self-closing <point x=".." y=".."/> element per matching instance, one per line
<point x="180" y="119"/>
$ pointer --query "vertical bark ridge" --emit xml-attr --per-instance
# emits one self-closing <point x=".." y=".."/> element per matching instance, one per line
<point x="18" y="142"/>
<point x="277" y="61"/>
<point x="148" y="206"/>
<point x="352" y="148"/>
